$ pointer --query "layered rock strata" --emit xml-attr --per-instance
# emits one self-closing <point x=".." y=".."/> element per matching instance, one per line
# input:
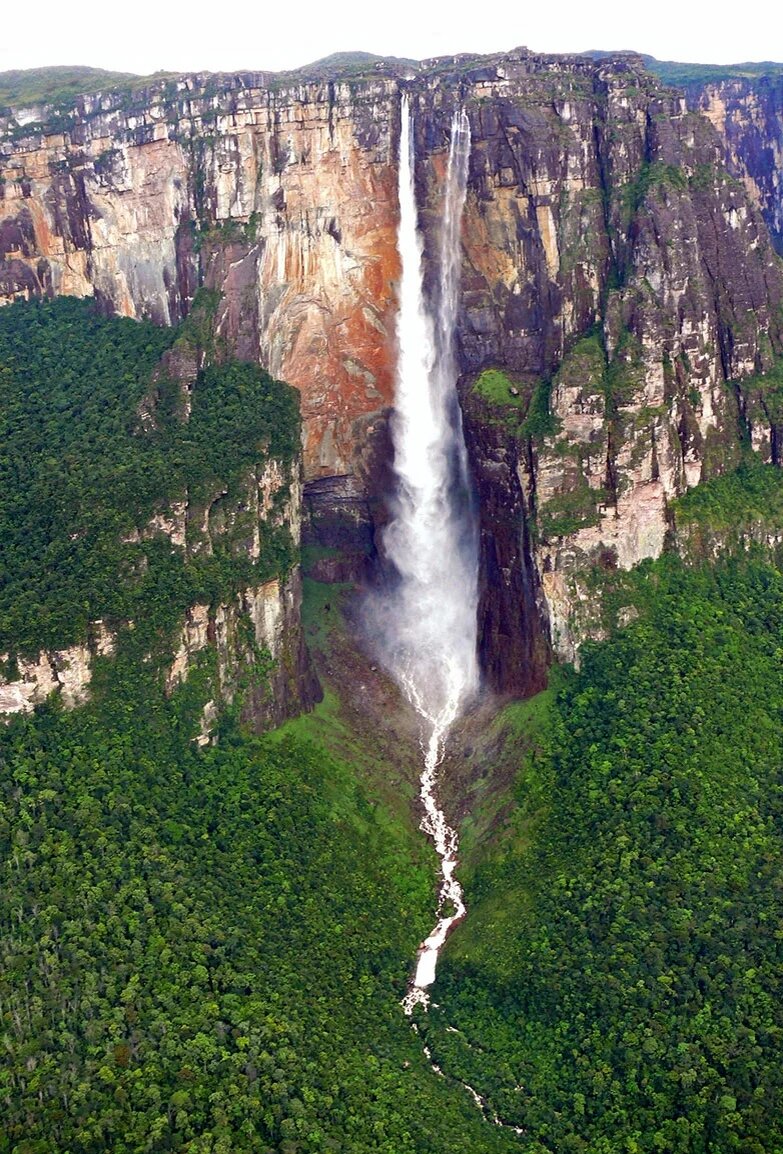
<point x="282" y="197"/>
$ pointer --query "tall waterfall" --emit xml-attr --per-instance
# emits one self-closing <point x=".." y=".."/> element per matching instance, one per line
<point x="429" y="619"/>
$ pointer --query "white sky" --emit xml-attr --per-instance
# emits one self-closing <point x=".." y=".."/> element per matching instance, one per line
<point x="162" y="34"/>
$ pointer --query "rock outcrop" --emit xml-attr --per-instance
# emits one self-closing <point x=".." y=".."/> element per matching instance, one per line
<point x="257" y="636"/>
<point x="65" y="672"/>
<point x="260" y="652"/>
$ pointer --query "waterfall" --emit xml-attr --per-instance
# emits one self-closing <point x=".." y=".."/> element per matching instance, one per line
<point x="428" y="620"/>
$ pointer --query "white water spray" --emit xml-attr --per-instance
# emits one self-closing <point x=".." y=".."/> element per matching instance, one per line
<point x="429" y="618"/>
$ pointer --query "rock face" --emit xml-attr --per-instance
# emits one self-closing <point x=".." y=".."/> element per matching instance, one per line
<point x="513" y="615"/>
<point x="620" y="275"/>
<point x="66" y="672"/>
<point x="257" y="637"/>
<point x="748" y="115"/>
<point x="260" y="651"/>
<point x="282" y="197"/>
<point x="616" y="267"/>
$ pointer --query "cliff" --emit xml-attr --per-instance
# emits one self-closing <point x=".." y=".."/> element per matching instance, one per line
<point x="748" y="115"/>
<point x="617" y="270"/>
<point x="620" y="275"/>
<point x="283" y="197"/>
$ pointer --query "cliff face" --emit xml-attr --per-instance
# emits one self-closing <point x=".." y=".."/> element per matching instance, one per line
<point x="619" y="273"/>
<point x="748" y="115"/>
<point x="256" y="637"/>
<point x="616" y="267"/>
<point x="284" y="200"/>
<point x="200" y="568"/>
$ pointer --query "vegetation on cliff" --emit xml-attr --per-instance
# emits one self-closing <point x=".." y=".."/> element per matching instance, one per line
<point x="732" y="508"/>
<point x="57" y="85"/>
<point x="697" y="75"/>
<point x="80" y="476"/>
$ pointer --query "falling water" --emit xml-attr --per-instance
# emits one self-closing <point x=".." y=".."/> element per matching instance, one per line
<point x="429" y="619"/>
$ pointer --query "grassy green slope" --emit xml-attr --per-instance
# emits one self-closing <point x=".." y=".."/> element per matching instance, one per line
<point x="24" y="86"/>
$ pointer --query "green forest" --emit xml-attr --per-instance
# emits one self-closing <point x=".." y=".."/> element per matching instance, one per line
<point x="619" y="987"/>
<point x="204" y="949"/>
<point x="79" y="474"/>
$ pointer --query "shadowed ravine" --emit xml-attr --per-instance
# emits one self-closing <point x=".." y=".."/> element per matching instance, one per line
<point x="428" y="617"/>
